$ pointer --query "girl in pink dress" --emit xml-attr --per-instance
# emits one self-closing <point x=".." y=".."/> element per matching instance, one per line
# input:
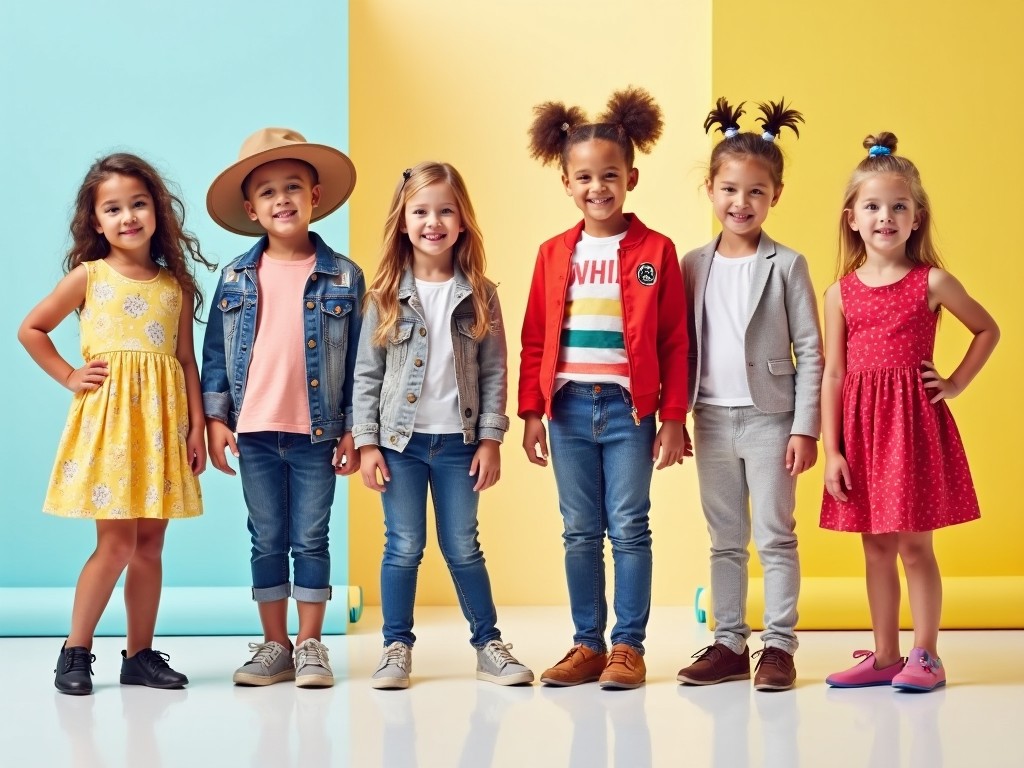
<point x="895" y="468"/>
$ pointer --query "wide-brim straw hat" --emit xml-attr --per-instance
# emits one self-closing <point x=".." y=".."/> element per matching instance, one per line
<point x="225" y="200"/>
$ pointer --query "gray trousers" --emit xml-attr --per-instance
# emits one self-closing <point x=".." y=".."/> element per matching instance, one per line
<point x="741" y="467"/>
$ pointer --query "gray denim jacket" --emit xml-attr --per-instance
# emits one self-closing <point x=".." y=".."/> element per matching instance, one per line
<point x="388" y="380"/>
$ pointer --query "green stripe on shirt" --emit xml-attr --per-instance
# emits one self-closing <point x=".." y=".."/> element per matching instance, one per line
<point x="592" y="339"/>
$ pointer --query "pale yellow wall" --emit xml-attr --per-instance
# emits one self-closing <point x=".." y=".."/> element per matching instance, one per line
<point x="945" y="77"/>
<point x="456" y="80"/>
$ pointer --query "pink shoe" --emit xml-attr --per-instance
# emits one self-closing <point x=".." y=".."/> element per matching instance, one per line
<point x="865" y="674"/>
<point x="922" y="673"/>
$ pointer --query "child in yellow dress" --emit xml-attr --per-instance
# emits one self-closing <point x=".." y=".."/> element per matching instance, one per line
<point x="134" y="440"/>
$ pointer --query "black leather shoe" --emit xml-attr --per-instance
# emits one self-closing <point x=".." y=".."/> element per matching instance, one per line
<point x="150" y="668"/>
<point x="74" y="671"/>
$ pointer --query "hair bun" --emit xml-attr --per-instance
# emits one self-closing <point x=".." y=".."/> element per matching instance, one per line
<point x="883" y="139"/>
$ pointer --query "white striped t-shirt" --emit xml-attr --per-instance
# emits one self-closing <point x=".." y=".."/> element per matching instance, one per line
<point x="592" y="346"/>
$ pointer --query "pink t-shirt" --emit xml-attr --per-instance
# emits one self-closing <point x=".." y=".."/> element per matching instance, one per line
<point x="275" y="393"/>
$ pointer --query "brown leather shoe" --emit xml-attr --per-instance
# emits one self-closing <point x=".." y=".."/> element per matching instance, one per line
<point x="626" y="668"/>
<point x="580" y="665"/>
<point x="775" y="670"/>
<point x="716" y="664"/>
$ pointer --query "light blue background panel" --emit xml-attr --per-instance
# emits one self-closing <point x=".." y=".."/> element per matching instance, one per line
<point x="181" y="85"/>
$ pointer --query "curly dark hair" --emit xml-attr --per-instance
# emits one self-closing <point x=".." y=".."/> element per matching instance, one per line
<point x="632" y="120"/>
<point x="170" y="242"/>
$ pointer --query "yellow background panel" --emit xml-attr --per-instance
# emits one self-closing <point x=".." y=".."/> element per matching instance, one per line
<point x="457" y="81"/>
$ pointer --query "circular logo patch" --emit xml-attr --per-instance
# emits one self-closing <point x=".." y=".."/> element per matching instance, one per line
<point x="646" y="273"/>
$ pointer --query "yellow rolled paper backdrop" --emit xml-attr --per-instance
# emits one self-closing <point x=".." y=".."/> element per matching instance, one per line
<point x="968" y="602"/>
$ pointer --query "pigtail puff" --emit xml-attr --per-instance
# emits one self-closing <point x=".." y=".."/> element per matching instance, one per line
<point x="549" y="132"/>
<point x="724" y="116"/>
<point x="637" y="115"/>
<point x="778" y="116"/>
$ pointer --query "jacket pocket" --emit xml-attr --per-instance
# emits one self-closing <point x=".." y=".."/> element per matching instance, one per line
<point x="782" y="367"/>
<point x="335" y="314"/>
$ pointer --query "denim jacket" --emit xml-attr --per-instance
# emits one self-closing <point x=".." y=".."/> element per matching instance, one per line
<point x="331" y="322"/>
<point x="389" y="379"/>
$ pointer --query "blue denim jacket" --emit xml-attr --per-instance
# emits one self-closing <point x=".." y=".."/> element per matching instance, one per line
<point x="331" y="321"/>
<point x="389" y="379"/>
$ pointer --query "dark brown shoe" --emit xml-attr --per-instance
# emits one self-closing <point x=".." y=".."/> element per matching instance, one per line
<point x="775" y="670"/>
<point x="626" y="668"/>
<point x="716" y="664"/>
<point x="579" y="665"/>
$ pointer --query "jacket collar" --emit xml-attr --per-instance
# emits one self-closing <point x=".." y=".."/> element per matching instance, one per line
<point x="634" y="235"/>
<point x="765" y="247"/>
<point x="407" y="284"/>
<point x="325" y="257"/>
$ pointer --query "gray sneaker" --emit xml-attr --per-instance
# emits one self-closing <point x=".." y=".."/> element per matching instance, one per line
<point x="271" y="663"/>
<point x="495" y="664"/>
<point x="394" y="668"/>
<point x="312" y="667"/>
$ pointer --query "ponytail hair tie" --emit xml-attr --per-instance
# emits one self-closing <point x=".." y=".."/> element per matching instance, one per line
<point x="877" y="150"/>
<point x="564" y="127"/>
<point x="732" y="130"/>
<point x="768" y="136"/>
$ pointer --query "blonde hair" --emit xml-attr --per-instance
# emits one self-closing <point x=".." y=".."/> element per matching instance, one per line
<point x="396" y="250"/>
<point x="920" y="246"/>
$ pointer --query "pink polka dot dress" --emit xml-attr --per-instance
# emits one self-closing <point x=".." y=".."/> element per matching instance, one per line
<point x="907" y="463"/>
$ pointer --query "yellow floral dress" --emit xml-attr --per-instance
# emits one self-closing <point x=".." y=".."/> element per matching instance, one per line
<point x="122" y="454"/>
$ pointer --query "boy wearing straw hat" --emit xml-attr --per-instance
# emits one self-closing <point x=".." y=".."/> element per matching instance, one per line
<point x="277" y="383"/>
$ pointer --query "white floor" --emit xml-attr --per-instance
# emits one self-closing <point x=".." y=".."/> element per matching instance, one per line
<point x="447" y="718"/>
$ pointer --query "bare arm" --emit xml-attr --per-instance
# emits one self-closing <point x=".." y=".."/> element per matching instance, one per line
<point x="195" y="443"/>
<point x="945" y="290"/>
<point x="837" y="472"/>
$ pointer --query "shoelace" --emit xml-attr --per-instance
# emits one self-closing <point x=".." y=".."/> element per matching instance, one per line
<point x="78" y="661"/>
<point x="155" y="659"/>
<point x="395" y="654"/>
<point x="264" y="653"/>
<point x="704" y="652"/>
<point x="317" y="650"/>
<point x="768" y="656"/>
<point x="619" y="656"/>
<point x="499" y="653"/>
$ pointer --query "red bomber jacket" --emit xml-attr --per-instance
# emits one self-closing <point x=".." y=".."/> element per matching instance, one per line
<point x="653" y="319"/>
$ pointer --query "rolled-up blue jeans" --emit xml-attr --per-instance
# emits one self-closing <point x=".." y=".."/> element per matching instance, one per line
<point x="288" y="483"/>
<point x="603" y="467"/>
<point x="440" y="464"/>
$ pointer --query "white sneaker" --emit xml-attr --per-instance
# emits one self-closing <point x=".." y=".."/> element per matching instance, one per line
<point x="495" y="664"/>
<point x="271" y="663"/>
<point x="312" y="666"/>
<point x="394" y="668"/>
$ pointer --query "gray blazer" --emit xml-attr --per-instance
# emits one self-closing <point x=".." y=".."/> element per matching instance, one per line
<point x="782" y="325"/>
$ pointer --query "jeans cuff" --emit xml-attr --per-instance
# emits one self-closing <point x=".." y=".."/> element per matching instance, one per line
<point x="307" y="595"/>
<point x="270" y="594"/>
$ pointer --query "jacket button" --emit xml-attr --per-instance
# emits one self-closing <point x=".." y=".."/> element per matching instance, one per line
<point x="417" y="362"/>
<point x="311" y="343"/>
<point x="337" y="310"/>
<point x="411" y="397"/>
<point x="318" y="432"/>
<point x="393" y="439"/>
<point x="423" y="331"/>
<point x="223" y="303"/>
<point x="310" y="304"/>
<point x="313" y="277"/>
<point x="469" y="412"/>
<point x="314" y="383"/>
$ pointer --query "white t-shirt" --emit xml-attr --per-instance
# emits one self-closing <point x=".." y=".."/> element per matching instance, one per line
<point x="437" y="412"/>
<point x="723" y="370"/>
